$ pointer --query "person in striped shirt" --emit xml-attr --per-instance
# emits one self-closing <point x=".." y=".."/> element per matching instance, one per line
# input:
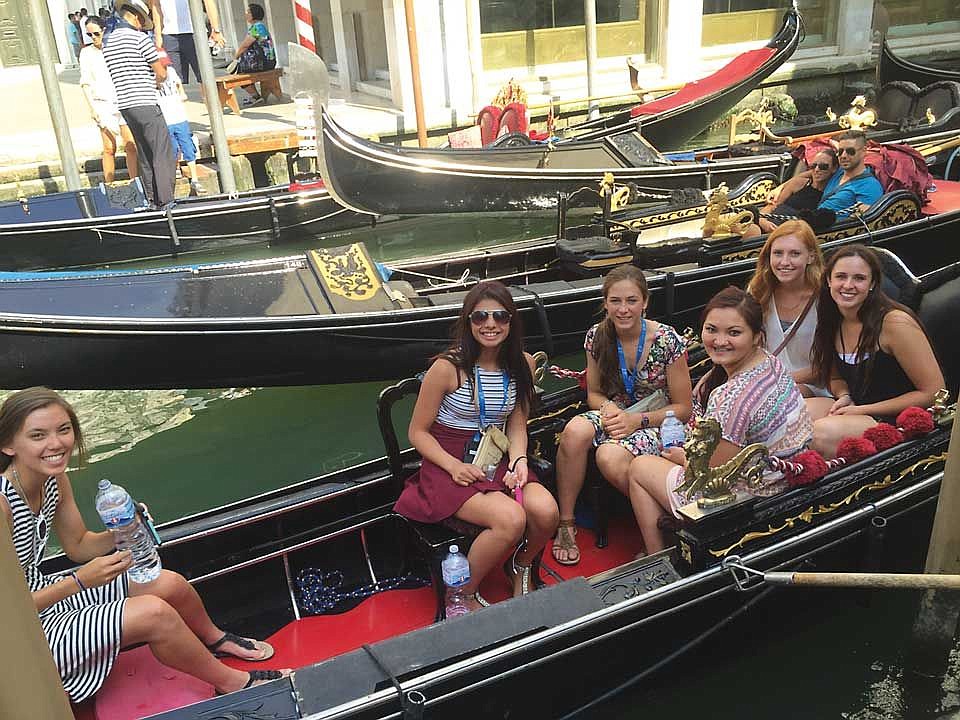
<point x="136" y="70"/>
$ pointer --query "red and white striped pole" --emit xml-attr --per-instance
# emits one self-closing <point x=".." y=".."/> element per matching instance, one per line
<point x="301" y="9"/>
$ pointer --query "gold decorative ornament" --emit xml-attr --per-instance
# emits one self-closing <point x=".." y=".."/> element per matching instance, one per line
<point x="540" y="361"/>
<point x="760" y="118"/>
<point x="941" y="410"/>
<point x="720" y="223"/>
<point x="930" y="117"/>
<point x="348" y="273"/>
<point x="810" y="513"/>
<point x="858" y="117"/>
<point x="714" y="485"/>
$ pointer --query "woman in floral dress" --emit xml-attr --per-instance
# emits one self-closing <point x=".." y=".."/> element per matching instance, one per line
<point x="629" y="358"/>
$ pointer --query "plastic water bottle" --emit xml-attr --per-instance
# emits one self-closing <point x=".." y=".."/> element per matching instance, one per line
<point x="456" y="574"/>
<point x="119" y="515"/>
<point x="672" y="433"/>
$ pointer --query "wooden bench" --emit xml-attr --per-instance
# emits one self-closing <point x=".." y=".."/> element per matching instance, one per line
<point x="269" y="85"/>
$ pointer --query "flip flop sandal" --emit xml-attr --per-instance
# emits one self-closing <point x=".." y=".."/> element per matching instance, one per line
<point x="564" y="540"/>
<point x="246" y="644"/>
<point x="257" y="677"/>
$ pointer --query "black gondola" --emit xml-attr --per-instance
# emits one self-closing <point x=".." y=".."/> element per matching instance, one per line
<point x="894" y="69"/>
<point x="627" y="615"/>
<point x="112" y="224"/>
<point x="423" y="181"/>
<point x="328" y="317"/>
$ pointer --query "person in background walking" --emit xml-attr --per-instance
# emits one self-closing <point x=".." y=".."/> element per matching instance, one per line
<point x="85" y="39"/>
<point x="136" y="71"/>
<point x="73" y="34"/>
<point x="173" y="31"/>
<point x="98" y="90"/>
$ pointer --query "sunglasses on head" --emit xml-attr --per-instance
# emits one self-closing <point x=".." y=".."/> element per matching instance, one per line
<point x="821" y="166"/>
<point x="479" y="317"/>
<point x="851" y="151"/>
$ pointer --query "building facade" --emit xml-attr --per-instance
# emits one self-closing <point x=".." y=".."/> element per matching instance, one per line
<point x="470" y="48"/>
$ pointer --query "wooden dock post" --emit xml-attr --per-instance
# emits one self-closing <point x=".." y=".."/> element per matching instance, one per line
<point x="30" y="685"/>
<point x="936" y="621"/>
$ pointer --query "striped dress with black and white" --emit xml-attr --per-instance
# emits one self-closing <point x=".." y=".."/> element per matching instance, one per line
<point x="83" y="630"/>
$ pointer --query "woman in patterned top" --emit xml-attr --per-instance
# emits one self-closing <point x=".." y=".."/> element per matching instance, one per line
<point x="256" y="52"/>
<point x="748" y="392"/>
<point x="88" y="614"/>
<point x="484" y="378"/>
<point x="628" y="359"/>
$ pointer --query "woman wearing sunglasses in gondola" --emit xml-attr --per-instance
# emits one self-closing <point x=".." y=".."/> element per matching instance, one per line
<point x="636" y="373"/>
<point x="89" y="614"/>
<point x="801" y="193"/>
<point x="480" y="391"/>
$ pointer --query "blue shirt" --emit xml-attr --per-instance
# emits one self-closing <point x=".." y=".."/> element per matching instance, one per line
<point x="73" y="35"/>
<point x="864" y="188"/>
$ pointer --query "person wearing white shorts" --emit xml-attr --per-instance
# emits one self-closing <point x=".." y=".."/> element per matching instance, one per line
<point x="101" y="97"/>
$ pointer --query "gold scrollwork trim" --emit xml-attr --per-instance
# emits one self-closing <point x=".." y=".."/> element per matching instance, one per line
<point x="555" y="413"/>
<point x="808" y="514"/>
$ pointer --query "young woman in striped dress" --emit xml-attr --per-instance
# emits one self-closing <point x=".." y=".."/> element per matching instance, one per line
<point x="748" y="392"/>
<point x="484" y="378"/>
<point x="89" y="614"/>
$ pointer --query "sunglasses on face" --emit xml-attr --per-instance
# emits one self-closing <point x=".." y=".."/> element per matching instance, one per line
<point x="851" y="151"/>
<point x="479" y="317"/>
<point x="96" y="34"/>
<point x="821" y="166"/>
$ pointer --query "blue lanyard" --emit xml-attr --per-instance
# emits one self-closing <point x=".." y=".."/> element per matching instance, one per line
<point x="480" y="400"/>
<point x="630" y="378"/>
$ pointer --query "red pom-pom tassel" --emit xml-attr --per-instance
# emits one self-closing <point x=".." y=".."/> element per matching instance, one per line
<point x="814" y="468"/>
<point x="883" y="436"/>
<point x="915" y="421"/>
<point x="855" y="449"/>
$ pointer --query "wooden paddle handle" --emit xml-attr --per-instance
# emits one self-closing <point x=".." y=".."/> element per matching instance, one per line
<point x="903" y="581"/>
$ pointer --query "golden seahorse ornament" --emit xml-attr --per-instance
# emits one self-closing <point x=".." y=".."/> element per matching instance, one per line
<point x="715" y="485"/>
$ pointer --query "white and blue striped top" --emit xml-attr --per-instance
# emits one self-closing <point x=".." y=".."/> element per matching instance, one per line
<point x="459" y="410"/>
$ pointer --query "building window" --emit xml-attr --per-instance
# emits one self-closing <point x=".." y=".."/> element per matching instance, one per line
<point x="913" y="17"/>
<point x="533" y="33"/>
<point x="727" y="22"/>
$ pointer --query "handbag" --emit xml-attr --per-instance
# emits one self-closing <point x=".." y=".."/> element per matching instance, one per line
<point x="654" y="401"/>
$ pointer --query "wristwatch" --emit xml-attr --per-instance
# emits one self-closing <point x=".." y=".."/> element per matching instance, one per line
<point x="644" y="421"/>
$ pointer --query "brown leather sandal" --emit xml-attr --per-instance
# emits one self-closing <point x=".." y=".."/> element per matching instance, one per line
<point x="565" y="540"/>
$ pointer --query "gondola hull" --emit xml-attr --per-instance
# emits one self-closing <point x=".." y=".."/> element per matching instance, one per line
<point x="274" y="322"/>
<point x="80" y="228"/>
<point x="892" y="68"/>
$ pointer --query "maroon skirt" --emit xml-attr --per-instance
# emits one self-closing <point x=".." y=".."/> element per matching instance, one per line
<point x="430" y="494"/>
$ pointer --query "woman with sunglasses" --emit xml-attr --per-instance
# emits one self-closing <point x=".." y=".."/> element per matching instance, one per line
<point x="89" y="614"/>
<point x="484" y="379"/>
<point x="787" y="285"/>
<point x="101" y="97"/>
<point x="629" y="359"/>
<point x="801" y="193"/>
<point x="872" y="352"/>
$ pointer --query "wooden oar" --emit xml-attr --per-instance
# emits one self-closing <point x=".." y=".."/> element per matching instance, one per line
<point x="893" y="581"/>
<point x="933" y="148"/>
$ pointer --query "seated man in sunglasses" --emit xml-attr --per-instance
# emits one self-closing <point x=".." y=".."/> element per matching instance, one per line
<point x="853" y="186"/>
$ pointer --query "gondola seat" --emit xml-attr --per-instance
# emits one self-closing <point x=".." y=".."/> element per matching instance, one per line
<point x="939" y="98"/>
<point x="432" y="539"/>
<point x="896" y="103"/>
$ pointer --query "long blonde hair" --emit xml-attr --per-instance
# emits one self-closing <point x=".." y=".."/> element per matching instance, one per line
<point x="764" y="281"/>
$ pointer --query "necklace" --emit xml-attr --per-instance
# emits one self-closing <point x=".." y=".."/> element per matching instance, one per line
<point x="789" y="309"/>
<point x="39" y="520"/>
